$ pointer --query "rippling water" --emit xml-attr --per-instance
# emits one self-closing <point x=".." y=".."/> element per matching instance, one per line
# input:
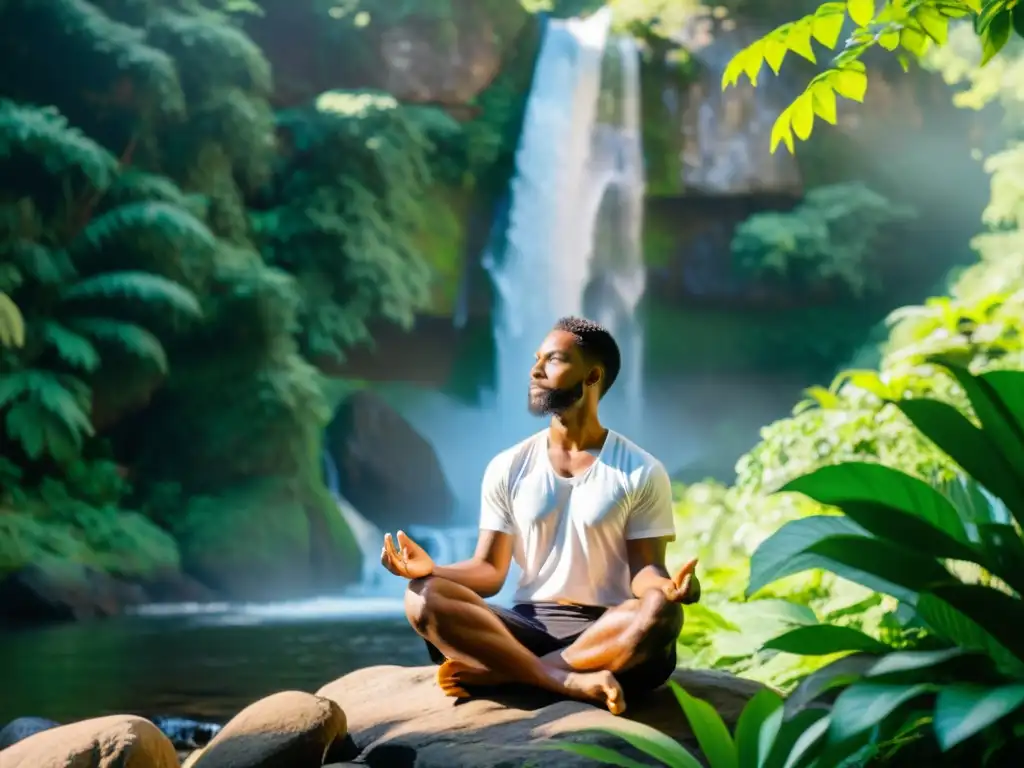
<point x="203" y="662"/>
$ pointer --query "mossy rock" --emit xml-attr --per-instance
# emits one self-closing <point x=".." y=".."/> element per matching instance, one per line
<point x="267" y="539"/>
<point x="122" y="544"/>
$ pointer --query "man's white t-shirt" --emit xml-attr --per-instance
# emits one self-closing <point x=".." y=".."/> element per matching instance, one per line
<point x="571" y="532"/>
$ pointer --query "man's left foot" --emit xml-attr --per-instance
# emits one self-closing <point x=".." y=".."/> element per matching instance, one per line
<point x="453" y="677"/>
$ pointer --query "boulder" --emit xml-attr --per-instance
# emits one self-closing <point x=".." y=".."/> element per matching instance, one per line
<point x="23" y="727"/>
<point x="398" y="717"/>
<point x="386" y="469"/>
<point x="62" y="591"/>
<point x="286" y="730"/>
<point x="119" y="741"/>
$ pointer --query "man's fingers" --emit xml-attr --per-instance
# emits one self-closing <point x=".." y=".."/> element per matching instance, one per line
<point x="408" y="545"/>
<point x="389" y="545"/>
<point x="685" y="572"/>
<point x="684" y="588"/>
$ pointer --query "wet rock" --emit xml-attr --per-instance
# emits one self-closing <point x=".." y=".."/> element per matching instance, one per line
<point x="60" y="591"/>
<point x="22" y="728"/>
<point x="286" y="730"/>
<point x="119" y="741"/>
<point x="386" y="469"/>
<point x="399" y="717"/>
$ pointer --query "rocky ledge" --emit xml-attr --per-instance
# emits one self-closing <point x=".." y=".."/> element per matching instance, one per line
<point x="383" y="717"/>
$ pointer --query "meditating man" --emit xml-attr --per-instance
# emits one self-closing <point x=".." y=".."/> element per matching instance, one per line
<point x="587" y="515"/>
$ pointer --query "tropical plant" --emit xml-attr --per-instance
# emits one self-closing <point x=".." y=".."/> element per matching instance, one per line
<point x="953" y="558"/>
<point x="908" y="27"/>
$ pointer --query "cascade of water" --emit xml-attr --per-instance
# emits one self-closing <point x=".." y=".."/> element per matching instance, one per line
<point x="573" y="240"/>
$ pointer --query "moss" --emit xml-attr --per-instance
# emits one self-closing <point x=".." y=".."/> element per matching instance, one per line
<point x="267" y="538"/>
<point x="123" y="544"/>
<point x="442" y="243"/>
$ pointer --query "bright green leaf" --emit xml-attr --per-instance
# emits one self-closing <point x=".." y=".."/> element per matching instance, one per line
<point x="961" y="711"/>
<point x="802" y="116"/>
<point x="861" y="11"/>
<point x="823" y="640"/>
<point x="934" y="24"/>
<point x="712" y="735"/>
<point x="914" y="41"/>
<point x="824" y="101"/>
<point x="774" y="53"/>
<point x="799" y="40"/>
<point x="599" y="754"/>
<point x="654" y="743"/>
<point x="869" y="483"/>
<point x="827" y="23"/>
<point x="890" y="40"/>
<point x="850" y="83"/>
<point x="782" y="132"/>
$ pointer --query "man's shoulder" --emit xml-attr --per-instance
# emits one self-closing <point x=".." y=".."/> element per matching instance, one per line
<point x="510" y="461"/>
<point x="630" y="458"/>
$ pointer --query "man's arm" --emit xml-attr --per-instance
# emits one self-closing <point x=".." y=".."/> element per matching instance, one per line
<point x="486" y="571"/>
<point x="647" y="564"/>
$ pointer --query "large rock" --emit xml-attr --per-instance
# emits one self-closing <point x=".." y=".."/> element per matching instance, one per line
<point x="398" y="717"/>
<point x="119" y="741"/>
<point x="386" y="469"/>
<point x="60" y="591"/>
<point x="286" y="730"/>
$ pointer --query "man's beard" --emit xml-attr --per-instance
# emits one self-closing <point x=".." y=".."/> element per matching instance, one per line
<point x="554" y="401"/>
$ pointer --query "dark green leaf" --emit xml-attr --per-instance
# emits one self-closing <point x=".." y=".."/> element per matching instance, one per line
<point x="838" y="674"/>
<point x="999" y="614"/>
<point x="891" y="523"/>
<point x="871" y="486"/>
<point x="953" y="625"/>
<point x="825" y="639"/>
<point x="807" y="743"/>
<point x="791" y="732"/>
<point x="602" y="755"/>
<point x="899" y="662"/>
<point x="712" y="735"/>
<point x="994" y="38"/>
<point x="1004" y="553"/>
<point x="864" y="705"/>
<point x="780" y="554"/>
<point x="886" y="561"/>
<point x="973" y="449"/>
<point x="961" y="711"/>
<point x="752" y="721"/>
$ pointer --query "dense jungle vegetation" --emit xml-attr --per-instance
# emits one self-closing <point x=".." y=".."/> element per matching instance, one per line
<point x="179" y="253"/>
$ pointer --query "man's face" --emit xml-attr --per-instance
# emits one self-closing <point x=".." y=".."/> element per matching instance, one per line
<point x="558" y="377"/>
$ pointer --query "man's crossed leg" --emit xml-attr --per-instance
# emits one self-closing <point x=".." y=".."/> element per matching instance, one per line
<point x="581" y="652"/>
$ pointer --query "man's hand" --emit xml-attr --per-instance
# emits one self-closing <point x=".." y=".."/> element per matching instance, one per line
<point x="684" y="587"/>
<point x="409" y="560"/>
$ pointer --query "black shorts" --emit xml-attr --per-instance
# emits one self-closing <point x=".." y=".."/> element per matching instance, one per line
<point x="544" y="628"/>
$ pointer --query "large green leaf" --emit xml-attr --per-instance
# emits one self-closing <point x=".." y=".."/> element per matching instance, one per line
<point x="756" y="716"/>
<point x="602" y="755"/>
<point x="651" y="742"/>
<point x="864" y="705"/>
<point x="838" y="674"/>
<point x="974" y="449"/>
<point x="781" y="555"/>
<point x="961" y="711"/>
<point x="790" y="738"/>
<point x="954" y="625"/>
<point x="1004" y="553"/>
<point x="899" y="527"/>
<point x="998" y="402"/>
<point x="825" y="639"/>
<point x="712" y="735"/>
<point x="875" y="485"/>
<point x="808" y="743"/>
<point x="888" y="562"/>
<point x="999" y="614"/>
<point x="901" y="662"/>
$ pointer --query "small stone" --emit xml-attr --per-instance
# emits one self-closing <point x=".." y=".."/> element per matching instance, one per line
<point x="119" y="741"/>
<point x="286" y="730"/>
<point x="23" y="727"/>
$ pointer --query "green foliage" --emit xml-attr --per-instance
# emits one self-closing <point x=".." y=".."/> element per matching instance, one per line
<point x="955" y="560"/>
<point x="345" y="210"/>
<point x="908" y="27"/>
<point x="831" y="236"/>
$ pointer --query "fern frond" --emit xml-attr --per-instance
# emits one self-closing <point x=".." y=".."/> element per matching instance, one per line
<point x="159" y="237"/>
<point x="12" y="324"/>
<point x="33" y="393"/>
<point x="74" y="349"/>
<point x="206" y="43"/>
<point x="142" y="286"/>
<point x="132" y="338"/>
<point x="133" y="186"/>
<point x="42" y="432"/>
<point x="38" y="263"/>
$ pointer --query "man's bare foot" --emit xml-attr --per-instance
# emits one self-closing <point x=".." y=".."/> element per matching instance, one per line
<point x="454" y="676"/>
<point x="597" y="687"/>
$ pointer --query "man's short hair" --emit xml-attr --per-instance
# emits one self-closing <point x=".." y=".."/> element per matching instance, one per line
<point x="596" y="344"/>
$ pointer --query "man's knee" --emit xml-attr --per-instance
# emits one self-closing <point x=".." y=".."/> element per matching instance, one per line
<point x="658" y="622"/>
<point x="425" y="601"/>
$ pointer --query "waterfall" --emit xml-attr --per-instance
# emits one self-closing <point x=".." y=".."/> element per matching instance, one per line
<point x="573" y="240"/>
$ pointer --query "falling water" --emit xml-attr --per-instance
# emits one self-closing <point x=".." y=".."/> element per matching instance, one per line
<point x="573" y="240"/>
